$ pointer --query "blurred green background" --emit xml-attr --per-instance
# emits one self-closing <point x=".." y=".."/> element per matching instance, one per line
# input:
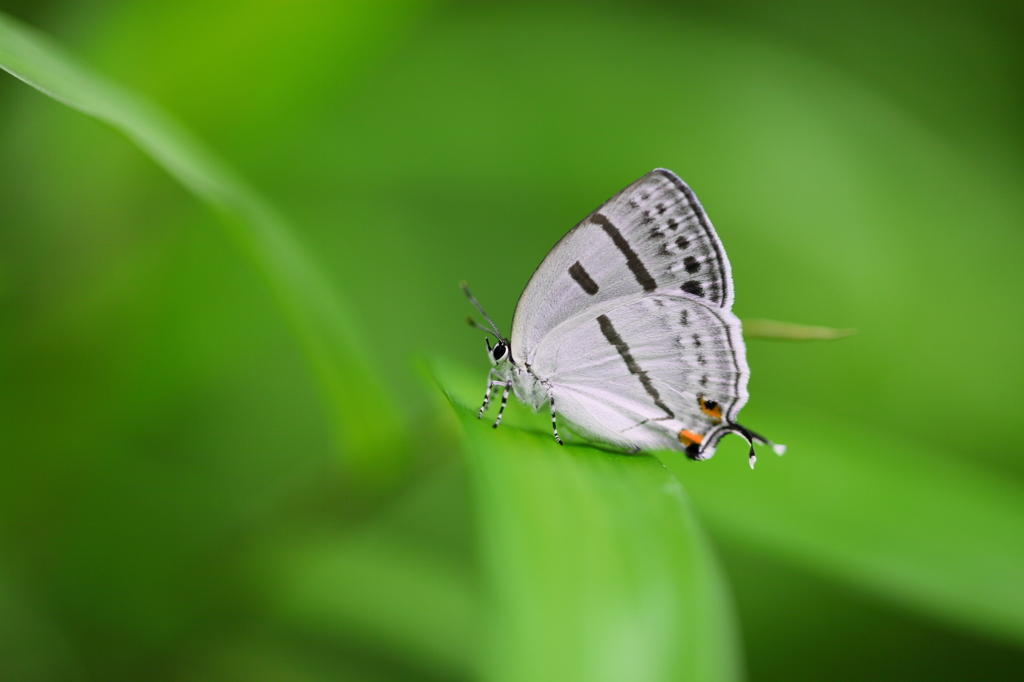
<point x="175" y="501"/>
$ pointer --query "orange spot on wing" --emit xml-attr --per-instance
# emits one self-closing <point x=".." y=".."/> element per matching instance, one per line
<point x="689" y="438"/>
<point x="711" y="408"/>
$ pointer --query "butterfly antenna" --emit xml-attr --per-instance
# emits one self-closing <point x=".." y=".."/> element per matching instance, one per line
<point x="465" y="290"/>
<point x="476" y="325"/>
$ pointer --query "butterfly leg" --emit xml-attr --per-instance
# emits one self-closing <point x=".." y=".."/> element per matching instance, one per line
<point x="504" y="400"/>
<point x="554" y="426"/>
<point x="487" y="394"/>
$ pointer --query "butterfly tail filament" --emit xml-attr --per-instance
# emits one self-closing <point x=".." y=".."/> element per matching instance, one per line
<point x="751" y="437"/>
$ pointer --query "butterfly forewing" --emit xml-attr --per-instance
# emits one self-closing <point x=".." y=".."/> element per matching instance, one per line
<point x="653" y="235"/>
<point x="646" y="368"/>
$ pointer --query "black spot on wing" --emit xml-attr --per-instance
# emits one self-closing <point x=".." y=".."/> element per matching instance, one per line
<point x="636" y="266"/>
<point x="693" y="287"/>
<point x="692" y="266"/>
<point x="615" y="340"/>
<point x="682" y="243"/>
<point x="582" y="278"/>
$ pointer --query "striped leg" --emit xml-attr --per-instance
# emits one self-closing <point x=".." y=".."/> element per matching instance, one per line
<point x="504" y="399"/>
<point x="554" y="426"/>
<point x="487" y="394"/>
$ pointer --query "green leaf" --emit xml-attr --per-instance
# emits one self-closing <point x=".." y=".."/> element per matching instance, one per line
<point x="594" y="565"/>
<point x="382" y="593"/>
<point x="919" y="527"/>
<point x="365" y="428"/>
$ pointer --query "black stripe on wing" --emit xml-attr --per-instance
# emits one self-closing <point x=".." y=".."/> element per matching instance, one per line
<point x="615" y="340"/>
<point x="583" y="278"/>
<point x="636" y="266"/>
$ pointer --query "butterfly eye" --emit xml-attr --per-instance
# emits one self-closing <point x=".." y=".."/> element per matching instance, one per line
<point x="500" y="351"/>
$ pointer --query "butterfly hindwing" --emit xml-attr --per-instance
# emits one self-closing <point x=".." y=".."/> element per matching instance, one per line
<point x="653" y="235"/>
<point x="645" y="369"/>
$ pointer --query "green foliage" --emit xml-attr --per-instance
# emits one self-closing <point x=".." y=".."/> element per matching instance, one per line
<point x="594" y="565"/>
<point x="366" y="431"/>
<point x="217" y="460"/>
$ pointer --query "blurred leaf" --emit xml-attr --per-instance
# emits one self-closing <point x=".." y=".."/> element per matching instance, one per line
<point x="771" y="329"/>
<point x="594" y="565"/>
<point x="922" y="528"/>
<point x="382" y="594"/>
<point x="31" y="647"/>
<point x="365" y="428"/>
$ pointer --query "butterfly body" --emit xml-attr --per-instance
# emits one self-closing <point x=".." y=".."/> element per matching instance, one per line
<point x="627" y="327"/>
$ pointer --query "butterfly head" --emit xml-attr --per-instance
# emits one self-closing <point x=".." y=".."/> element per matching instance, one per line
<point x="500" y="353"/>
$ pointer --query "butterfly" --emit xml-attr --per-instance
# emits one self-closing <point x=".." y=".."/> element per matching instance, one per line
<point x="627" y="327"/>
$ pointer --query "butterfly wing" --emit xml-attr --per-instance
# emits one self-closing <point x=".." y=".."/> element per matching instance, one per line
<point x="652" y="235"/>
<point x="654" y="370"/>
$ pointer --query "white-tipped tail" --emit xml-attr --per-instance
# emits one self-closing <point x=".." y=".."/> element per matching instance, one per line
<point x="779" y="449"/>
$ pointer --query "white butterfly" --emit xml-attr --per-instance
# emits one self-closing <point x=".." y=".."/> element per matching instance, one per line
<point x="627" y="326"/>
